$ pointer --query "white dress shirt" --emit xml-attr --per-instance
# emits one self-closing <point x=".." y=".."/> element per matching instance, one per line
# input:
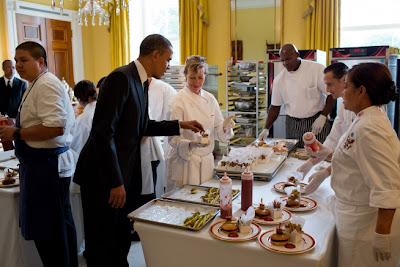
<point x="47" y="103"/>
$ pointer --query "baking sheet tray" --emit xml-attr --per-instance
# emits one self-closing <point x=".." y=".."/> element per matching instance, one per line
<point x="262" y="172"/>
<point x="170" y="213"/>
<point x="183" y="194"/>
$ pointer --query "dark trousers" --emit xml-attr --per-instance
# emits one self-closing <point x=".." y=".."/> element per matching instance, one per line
<point x="61" y="250"/>
<point x="107" y="229"/>
<point x="295" y="128"/>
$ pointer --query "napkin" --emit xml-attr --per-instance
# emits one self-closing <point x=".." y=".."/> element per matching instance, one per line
<point x="246" y="219"/>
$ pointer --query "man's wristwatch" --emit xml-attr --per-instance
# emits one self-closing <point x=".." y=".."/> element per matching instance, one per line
<point x="16" y="134"/>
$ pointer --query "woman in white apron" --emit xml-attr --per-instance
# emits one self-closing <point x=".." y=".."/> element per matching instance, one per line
<point x="190" y="162"/>
<point x="366" y="173"/>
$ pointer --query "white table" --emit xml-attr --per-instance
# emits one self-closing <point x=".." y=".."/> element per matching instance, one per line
<point x="166" y="246"/>
<point x="14" y="250"/>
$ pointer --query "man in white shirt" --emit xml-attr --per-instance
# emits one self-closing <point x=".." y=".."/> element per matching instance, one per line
<point x="42" y="138"/>
<point x="300" y="88"/>
<point x="334" y="80"/>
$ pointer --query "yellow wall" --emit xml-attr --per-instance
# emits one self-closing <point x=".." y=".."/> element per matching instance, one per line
<point x="4" y="47"/>
<point x="218" y="41"/>
<point x="255" y="26"/>
<point x="96" y="52"/>
<point x="294" y="26"/>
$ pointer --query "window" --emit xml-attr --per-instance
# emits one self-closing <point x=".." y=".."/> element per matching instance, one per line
<point x="154" y="16"/>
<point x="370" y="23"/>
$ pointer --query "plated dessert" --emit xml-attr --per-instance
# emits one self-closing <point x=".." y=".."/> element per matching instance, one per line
<point x="229" y="230"/>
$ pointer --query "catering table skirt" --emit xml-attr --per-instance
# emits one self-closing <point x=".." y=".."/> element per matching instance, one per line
<point x="14" y="250"/>
<point x="170" y="247"/>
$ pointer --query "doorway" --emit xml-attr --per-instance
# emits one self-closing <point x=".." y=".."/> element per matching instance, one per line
<point x="55" y="36"/>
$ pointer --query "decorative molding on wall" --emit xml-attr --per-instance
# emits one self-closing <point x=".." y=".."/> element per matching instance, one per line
<point x="20" y="7"/>
<point x="245" y="4"/>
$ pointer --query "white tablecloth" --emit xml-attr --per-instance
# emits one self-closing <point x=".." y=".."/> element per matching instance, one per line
<point x="14" y="250"/>
<point x="170" y="247"/>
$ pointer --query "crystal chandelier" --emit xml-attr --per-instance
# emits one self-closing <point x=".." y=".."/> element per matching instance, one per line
<point x="93" y="8"/>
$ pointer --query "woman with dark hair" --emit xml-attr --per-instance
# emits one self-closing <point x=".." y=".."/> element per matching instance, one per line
<point x="366" y="172"/>
<point x="85" y="92"/>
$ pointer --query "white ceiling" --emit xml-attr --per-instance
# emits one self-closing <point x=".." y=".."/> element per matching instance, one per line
<point x="243" y="4"/>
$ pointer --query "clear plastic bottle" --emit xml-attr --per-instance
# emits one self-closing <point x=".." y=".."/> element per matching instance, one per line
<point x="310" y="141"/>
<point x="225" y="196"/>
<point x="247" y="189"/>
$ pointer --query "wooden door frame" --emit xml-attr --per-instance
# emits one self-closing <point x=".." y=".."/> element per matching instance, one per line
<point x="20" y="7"/>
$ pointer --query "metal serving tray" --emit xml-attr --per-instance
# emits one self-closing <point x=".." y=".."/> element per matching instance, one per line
<point x="183" y="194"/>
<point x="170" y="213"/>
<point x="262" y="172"/>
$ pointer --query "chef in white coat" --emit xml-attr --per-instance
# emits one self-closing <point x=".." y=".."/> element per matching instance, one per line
<point x="86" y="93"/>
<point x="189" y="161"/>
<point x="334" y="76"/>
<point x="366" y="173"/>
<point x="151" y="150"/>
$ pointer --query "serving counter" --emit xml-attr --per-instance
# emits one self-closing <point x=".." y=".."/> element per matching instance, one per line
<point x="15" y="251"/>
<point x="170" y="247"/>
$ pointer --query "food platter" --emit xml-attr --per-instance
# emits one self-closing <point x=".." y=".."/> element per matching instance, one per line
<point x="280" y="187"/>
<point x="291" y="144"/>
<point x="171" y="213"/>
<point x="307" y="244"/>
<point x="286" y="216"/>
<point x="216" y="232"/>
<point x="263" y="172"/>
<point x="184" y="194"/>
<point x="9" y="185"/>
<point x="306" y="204"/>
<point x="301" y="153"/>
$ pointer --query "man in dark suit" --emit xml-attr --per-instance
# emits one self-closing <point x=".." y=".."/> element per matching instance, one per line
<point x="11" y="90"/>
<point x="109" y="167"/>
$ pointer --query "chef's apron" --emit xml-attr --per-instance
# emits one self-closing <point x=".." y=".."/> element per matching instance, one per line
<point x="39" y="193"/>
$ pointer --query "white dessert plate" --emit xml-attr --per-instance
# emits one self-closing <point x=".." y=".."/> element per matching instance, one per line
<point x="9" y="185"/>
<point x="306" y="204"/>
<point x="305" y="245"/>
<point x="286" y="216"/>
<point x="216" y="232"/>
<point x="280" y="187"/>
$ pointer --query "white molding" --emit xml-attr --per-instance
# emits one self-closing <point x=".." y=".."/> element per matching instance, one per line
<point x="20" y="7"/>
<point x="246" y="4"/>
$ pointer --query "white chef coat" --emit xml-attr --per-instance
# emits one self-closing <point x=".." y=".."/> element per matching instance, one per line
<point x="194" y="166"/>
<point x="303" y="92"/>
<point x="82" y="127"/>
<point x="48" y="103"/>
<point x="343" y="120"/>
<point x="151" y="149"/>
<point x="365" y="177"/>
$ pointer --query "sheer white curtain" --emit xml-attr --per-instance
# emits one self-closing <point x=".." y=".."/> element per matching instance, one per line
<point x="154" y="16"/>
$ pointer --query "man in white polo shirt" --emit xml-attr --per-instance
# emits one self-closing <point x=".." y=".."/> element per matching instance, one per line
<point x="300" y="87"/>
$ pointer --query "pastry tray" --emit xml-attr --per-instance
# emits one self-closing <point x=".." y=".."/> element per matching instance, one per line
<point x="291" y="144"/>
<point x="171" y="213"/>
<point x="261" y="172"/>
<point x="183" y="194"/>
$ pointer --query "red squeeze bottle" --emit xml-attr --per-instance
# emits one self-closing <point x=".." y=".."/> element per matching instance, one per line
<point x="7" y="145"/>
<point x="310" y="141"/>
<point x="247" y="189"/>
